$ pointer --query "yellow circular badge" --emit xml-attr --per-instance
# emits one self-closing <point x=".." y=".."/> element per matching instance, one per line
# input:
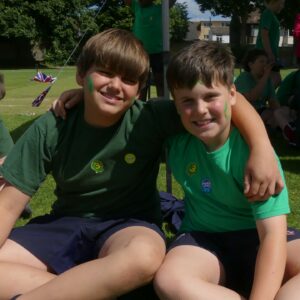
<point x="130" y="158"/>
<point x="97" y="166"/>
<point x="191" y="169"/>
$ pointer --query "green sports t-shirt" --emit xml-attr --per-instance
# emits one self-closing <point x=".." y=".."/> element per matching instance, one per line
<point x="213" y="185"/>
<point x="99" y="172"/>
<point x="6" y="142"/>
<point x="147" y="26"/>
<point x="245" y="82"/>
<point x="287" y="87"/>
<point x="269" y="21"/>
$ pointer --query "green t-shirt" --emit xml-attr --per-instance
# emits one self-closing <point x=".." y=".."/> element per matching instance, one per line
<point x="6" y="142"/>
<point x="213" y="185"/>
<point x="269" y="21"/>
<point x="288" y="87"/>
<point x="147" y="25"/>
<point x="99" y="172"/>
<point x="245" y="82"/>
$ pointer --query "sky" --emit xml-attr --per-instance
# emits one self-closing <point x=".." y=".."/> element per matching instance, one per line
<point x="195" y="13"/>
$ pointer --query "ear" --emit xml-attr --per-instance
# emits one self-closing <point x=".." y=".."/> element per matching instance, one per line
<point x="79" y="79"/>
<point x="232" y="92"/>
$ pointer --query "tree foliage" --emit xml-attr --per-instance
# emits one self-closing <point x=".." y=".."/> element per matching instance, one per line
<point x="178" y="22"/>
<point x="58" y="25"/>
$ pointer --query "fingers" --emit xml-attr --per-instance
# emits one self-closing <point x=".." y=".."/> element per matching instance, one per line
<point x="256" y="190"/>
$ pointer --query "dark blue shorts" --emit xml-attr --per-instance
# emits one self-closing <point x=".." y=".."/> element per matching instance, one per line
<point x="236" y="250"/>
<point x="62" y="243"/>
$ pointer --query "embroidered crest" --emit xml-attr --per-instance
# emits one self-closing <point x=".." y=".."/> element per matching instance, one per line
<point x="130" y="158"/>
<point x="97" y="166"/>
<point x="206" y="185"/>
<point x="191" y="169"/>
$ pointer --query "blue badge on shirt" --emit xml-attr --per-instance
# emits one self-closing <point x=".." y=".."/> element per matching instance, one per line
<point x="206" y="185"/>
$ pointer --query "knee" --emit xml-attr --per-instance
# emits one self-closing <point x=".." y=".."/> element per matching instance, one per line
<point x="169" y="285"/>
<point x="146" y="257"/>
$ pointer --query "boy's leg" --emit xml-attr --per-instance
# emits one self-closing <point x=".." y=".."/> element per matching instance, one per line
<point x="191" y="272"/>
<point x="20" y="271"/>
<point x="127" y="260"/>
<point x="290" y="289"/>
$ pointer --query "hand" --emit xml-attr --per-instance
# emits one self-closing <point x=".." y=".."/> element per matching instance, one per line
<point x="66" y="100"/>
<point x="262" y="176"/>
<point x="268" y="69"/>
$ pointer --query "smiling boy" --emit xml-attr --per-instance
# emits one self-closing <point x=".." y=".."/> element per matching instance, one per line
<point x="227" y="248"/>
<point x="102" y="237"/>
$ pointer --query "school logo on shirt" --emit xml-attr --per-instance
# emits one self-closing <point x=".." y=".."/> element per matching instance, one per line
<point x="191" y="169"/>
<point x="97" y="166"/>
<point x="130" y="158"/>
<point x="206" y="185"/>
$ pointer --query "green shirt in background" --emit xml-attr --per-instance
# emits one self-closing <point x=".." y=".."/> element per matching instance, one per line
<point x="269" y="21"/>
<point x="245" y="82"/>
<point x="147" y="25"/>
<point x="6" y="142"/>
<point x="288" y="87"/>
<point x="213" y="184"/>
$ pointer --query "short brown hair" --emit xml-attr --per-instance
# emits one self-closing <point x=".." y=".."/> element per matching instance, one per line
<point x="118" y="51"/>
<point x="205" y="61"/>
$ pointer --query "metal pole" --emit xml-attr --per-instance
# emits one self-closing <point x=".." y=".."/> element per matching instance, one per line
<point x="166" y="41"/>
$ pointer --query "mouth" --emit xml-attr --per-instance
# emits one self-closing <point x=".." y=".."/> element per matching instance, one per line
<point x="203" y="123"/>
<point x="110" y="98"/>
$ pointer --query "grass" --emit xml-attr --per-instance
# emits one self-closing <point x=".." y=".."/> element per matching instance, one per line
<point x="17" y="113"/>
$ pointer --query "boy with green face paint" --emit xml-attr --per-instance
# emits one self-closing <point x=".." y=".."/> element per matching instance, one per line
<point x="104" y="159"/>
<point x="224" y="239"/>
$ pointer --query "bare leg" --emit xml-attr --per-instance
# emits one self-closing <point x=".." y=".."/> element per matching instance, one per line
<point x="20" y="271"/>
<point x="129" y="259"/>
<point x="192" y="273"/>
<point x="290" y="289"/>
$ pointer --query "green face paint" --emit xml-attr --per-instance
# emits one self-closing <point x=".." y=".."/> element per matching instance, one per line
<point x="226" y="112"/>
<point x="90" y="84"/>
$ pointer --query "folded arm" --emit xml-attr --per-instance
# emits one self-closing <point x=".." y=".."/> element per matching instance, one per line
<point x="271" y="258"/>
<point x="12" y="203"/>
<point x="262" y="177"/>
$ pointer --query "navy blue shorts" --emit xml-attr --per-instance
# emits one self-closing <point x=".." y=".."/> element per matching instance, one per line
<point x="236" y="250"/>
<point x="62" y="243"/>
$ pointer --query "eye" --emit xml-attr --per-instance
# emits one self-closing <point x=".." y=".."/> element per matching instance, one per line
<point x="130" y="81"/>
<point x="105" y="73"/>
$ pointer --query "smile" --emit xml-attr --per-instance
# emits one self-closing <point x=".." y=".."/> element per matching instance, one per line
<point x="110" y="98"/>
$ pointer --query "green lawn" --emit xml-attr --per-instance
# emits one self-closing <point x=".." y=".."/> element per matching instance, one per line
<point x="17" y="113"/>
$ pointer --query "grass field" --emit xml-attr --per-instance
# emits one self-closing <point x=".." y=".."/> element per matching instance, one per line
<point x="17" y="113"/>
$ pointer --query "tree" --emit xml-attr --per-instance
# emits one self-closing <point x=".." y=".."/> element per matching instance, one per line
<point x="59" y="25"/>
<point x="237" y="9"/>
<point x="178" y="22"/>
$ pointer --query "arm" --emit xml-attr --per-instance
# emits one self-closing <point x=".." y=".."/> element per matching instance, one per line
<point x="66" y="100"/>
<point x="256" y="93"/>
<point x="12" y="203"/>
<point x="271" y="258"/>
<point x="266" y="44"/>
<point x="262" y="176"/>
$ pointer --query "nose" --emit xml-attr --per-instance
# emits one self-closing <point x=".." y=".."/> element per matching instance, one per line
<point x="115" y="82"/>
<point x="200" y="107"/>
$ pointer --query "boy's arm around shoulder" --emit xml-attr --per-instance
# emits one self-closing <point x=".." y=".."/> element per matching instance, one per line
<point x="271" y="258"/>
<point x="12" y="203"/>
<point x="262" y="175"/>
